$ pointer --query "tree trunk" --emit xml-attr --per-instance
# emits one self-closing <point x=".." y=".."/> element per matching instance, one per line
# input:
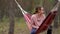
<point x="11" y="16"/>
<point x="56" y="18"/>
<point x="59" y="15"/>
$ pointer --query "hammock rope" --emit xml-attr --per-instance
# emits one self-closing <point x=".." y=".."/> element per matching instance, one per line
<point x="45" y="23"/>
<point x="55" y="8"/>
<point x="26" y="15"/>
<point x="23" y="11"/>
<point x="48" y="19"/>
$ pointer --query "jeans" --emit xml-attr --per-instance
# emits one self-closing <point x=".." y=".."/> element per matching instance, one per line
<point x="33" y="31"/>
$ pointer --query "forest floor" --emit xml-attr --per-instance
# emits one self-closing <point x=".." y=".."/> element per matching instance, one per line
<point x="20" y="27"/>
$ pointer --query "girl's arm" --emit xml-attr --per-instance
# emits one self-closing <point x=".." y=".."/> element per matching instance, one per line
<point x="33" y="22"/>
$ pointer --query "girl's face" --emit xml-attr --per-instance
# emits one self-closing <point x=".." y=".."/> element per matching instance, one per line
<point x="41" y="11"/>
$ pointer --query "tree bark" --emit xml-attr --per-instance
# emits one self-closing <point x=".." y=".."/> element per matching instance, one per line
<point x="11" y="16"/>
<point x="56" y="18"/>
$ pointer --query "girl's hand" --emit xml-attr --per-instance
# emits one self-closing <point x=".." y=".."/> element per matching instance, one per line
<point x="37" y="27"/>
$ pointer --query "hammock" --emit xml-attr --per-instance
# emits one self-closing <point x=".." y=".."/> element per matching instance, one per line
<point x="48" y="20"/>
<point x="27" y="16"/>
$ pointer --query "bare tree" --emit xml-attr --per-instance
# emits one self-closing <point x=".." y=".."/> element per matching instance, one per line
<point x="56" y="18"/>
<point x="11" y="16"/>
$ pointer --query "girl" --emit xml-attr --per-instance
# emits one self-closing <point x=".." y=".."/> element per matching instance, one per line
<point x="37" y="19"/>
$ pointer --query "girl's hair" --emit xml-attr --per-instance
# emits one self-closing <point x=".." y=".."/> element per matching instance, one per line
<point x="36" y="9"/>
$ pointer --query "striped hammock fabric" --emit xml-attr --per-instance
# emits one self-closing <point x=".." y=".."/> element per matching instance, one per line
<point x="26" y="15"/>
<point x="45" y="23"/>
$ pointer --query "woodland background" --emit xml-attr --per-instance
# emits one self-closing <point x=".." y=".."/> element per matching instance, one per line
<point x="12" y="20"/>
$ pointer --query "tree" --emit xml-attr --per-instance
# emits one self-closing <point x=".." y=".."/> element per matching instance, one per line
<point x="11" y="15"/>
<point x="56" y="18"/>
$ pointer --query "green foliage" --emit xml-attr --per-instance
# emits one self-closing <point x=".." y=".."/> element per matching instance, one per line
<point x="51" y="1"/>
<point x="20" y="23"/>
